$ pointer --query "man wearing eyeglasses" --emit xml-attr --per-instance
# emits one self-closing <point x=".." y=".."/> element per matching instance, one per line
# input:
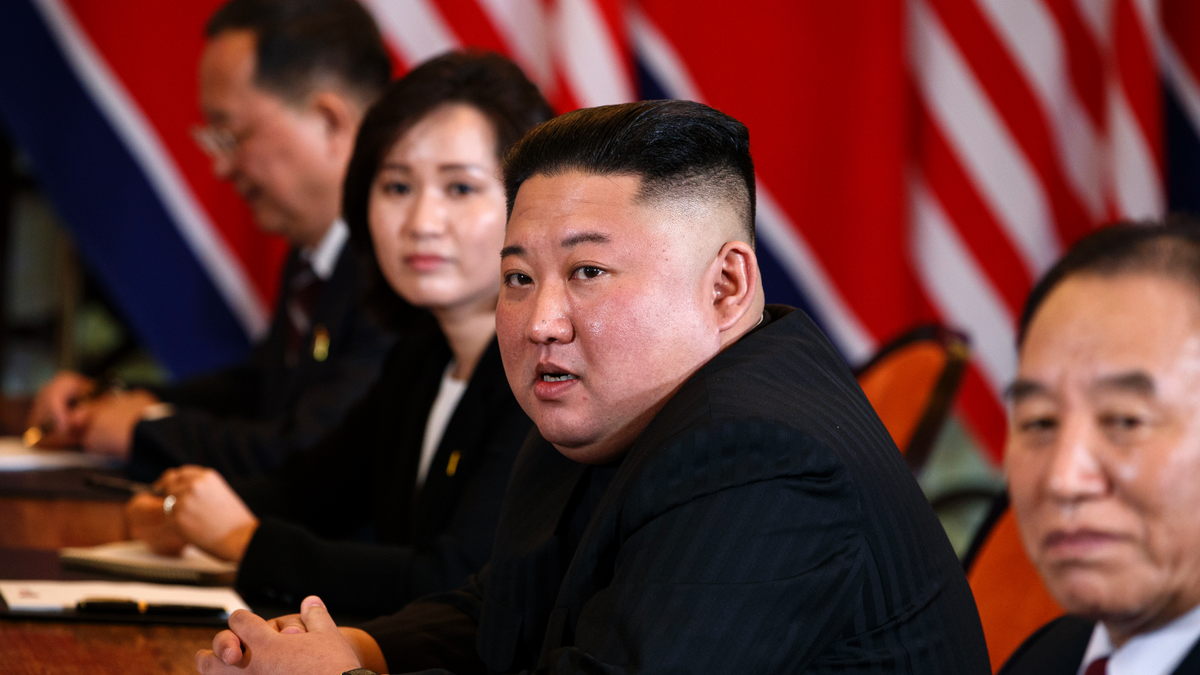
<point x="283" y="87"/>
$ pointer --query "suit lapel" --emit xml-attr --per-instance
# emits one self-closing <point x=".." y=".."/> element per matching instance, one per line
<point x="412" y="392"/>
<point x="461" y="445"/>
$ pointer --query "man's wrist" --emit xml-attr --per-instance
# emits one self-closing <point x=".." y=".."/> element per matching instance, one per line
<point x="156" y="411"/>
<point x="365" y="648"/>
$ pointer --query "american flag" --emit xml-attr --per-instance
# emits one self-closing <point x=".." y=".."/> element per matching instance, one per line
<point x="918" y="159"/>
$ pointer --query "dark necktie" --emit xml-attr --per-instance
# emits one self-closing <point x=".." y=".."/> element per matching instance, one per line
<point x="303" y="289"/>
<point x="1097" y="667"/>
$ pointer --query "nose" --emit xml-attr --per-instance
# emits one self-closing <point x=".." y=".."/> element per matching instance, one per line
<point x="1075" y="472"/>
<point x="426" y="216"/>
<point x="550" y="322"/>
<point x="223" y="165"/>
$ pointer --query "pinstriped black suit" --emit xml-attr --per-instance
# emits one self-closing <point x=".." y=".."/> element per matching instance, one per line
<point x="762" y="523"/>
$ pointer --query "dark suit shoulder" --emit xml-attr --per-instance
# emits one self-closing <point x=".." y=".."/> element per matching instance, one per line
<point x="1054" y="649"/>
<point x="779" y="411"/>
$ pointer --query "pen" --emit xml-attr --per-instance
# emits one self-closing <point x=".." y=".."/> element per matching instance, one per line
<point x="128" y="606"/>
<point x="125" y="485"/>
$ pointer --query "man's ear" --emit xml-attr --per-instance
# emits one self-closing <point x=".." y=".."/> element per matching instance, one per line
<point x="736" y="284"/>
<point x="340" y="117"/>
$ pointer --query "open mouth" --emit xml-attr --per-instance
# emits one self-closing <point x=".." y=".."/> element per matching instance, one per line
<point x="558" y="377"/>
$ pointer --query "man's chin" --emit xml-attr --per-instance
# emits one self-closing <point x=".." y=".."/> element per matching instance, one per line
<point x="270" y="220"/>
<point x="593" y="451"/>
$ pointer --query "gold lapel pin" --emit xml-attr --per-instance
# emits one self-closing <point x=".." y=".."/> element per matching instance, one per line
<point x="320" y="343"/>
<point x="452" y="464"/>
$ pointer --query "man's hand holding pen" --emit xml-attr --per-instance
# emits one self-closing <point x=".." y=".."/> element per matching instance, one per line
<point x="56" y="420"/>
<point x="76" y="411"/>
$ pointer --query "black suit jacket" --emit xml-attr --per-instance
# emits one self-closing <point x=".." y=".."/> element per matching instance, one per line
<point x="763" y="522"/>
<point x="1057" y="649"/>
<point x="244" y="420"/>
<point x="345" y="520"/>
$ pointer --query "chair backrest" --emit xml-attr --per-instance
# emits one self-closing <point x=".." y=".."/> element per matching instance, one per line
<point x="911" y="383"/>
<point x="1012" y="600"/>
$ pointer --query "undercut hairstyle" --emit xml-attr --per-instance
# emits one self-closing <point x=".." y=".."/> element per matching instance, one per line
<point x="488" y="82"/>
<point x="305" y="44"/>
<point x="679" y="149"/>
<point x="1167" y="248"/>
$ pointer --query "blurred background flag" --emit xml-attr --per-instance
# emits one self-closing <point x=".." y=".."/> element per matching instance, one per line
<point x="918" y="159"/>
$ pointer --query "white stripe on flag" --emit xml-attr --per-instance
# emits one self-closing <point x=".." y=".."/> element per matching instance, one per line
<point x="990" y="155"/>
<point x="589" y="56"/>
<point x="1034" y="39"/>
<point x="522" y="25"/>
<point x="223" y="267"/>
<point x="960" y="290"/>
<point x="774" y="228"/>
<point x="414" y="28"/>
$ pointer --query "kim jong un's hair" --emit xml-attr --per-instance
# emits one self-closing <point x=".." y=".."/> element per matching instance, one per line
<point x="679" y="149"/>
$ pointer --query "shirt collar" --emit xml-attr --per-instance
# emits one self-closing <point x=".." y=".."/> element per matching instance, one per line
<point x="324" y="256"/>
<point x="1155" y="653"/>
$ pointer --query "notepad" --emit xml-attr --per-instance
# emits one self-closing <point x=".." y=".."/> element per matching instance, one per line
<point x="15" y="456"/>
<point x="62" y="596"/>
<point x="134" y="559"/>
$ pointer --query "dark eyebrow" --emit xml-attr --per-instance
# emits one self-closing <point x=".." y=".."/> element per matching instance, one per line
<point x="585" y="238"/>
<point x="1023" y="389"/>
<point x="1136" y="382"/>
<point x="512" y="250"/>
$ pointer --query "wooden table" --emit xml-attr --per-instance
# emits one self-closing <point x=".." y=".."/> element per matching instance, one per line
<point x="67" y="648"/>
<point x="45" y="512"/>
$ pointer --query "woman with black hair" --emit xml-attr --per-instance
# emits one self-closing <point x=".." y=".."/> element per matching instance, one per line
<point x="402" y="499"/>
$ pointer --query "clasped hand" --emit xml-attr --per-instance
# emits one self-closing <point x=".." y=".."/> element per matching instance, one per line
<point x="207" y="513"/>
<point x="308" y="642"/>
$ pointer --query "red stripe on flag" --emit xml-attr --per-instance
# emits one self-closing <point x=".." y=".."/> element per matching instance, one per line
<point x="975" y="223"/>
<point x="1085" y="62"/>
<point x="1013" y="98"/>
<point x="1181" y="22"/>
<point x="822" y="87"/>
<point x="1139" y="74"/>
<point x="471" y="25"/>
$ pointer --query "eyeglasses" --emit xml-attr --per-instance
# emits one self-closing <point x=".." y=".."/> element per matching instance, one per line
<point x="218" y="142"/>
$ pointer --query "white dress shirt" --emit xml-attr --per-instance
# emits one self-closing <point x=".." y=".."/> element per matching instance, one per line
<point x="324" y="256"/>
<point x="448" y="396"/>
<point x="1156" y="653"/>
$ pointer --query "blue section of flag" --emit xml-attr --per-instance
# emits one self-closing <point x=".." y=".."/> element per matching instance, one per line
<point x="1183" y="156"/>
<point x="778" y="285"/>
<point x="121" y="228"/>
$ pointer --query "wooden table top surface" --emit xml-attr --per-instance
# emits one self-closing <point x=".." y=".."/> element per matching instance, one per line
<point x="67" y="648"/>
<point x="35" y="514"/>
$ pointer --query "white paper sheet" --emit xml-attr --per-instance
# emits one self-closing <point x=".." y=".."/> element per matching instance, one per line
<point x="14" y="456"/>
<point x="56" y="596"/>
<point x="138" y="554"/>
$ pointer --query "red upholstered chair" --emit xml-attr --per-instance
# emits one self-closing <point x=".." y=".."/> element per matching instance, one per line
<point x="911" y="383"/>
<point x="1012" y="600"/>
